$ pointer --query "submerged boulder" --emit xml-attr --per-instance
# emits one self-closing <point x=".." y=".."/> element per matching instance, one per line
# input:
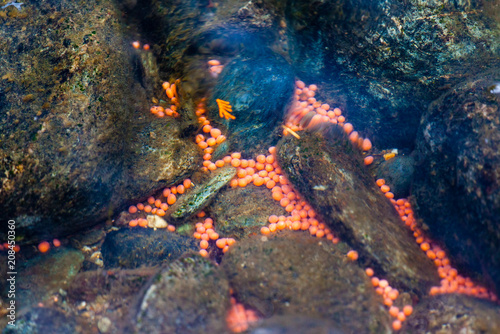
<point x="457" y="185"/>
<point x="294" y="274"/>
<point x="76" y="140"/>
<point x="189" y="296"/>
<point x="329" y="173"/>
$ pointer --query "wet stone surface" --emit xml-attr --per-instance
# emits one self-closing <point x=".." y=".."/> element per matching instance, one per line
<point x="329" y="173"/>
<point x="390" y="59"/>
<point x="457" y="187"/>
<point x="296" y="324"/>
<point x="43" y="320"/>
<point x="76" y="137"/>
<point x="240" y="212"/>
<point x="294" y="274"/>
<point x="453" y="314"/>
<point x="398" y="172"/>
<point x="202" y="194"/>
<point x="43" y="275"/>
<point x="140" y="247"/>
<point x="188" y="296"/>
<point x="258" y="89"/>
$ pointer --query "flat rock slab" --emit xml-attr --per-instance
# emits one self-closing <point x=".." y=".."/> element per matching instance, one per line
<point x="191" y="295"/>
<point x="329" y="173"/>
<point x="201" y="195"/>
<point x="240" y="212"/>
<point x="294" y="274"/>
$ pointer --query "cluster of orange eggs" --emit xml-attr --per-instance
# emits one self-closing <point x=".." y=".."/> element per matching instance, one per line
<point x="238" y="318"/>
<point x="5" y="247"/>
<point x="44" y="246"/>
<point x="171" y="91"/>
<point x="210" y="137"/>
<point x="306" y="112"/>
<point x="158" y="206"/>
<point x="451" y="281"/>
<point x="389" y="295"/>
<point x="205" y="231"/>
<point x="137" y="45"/>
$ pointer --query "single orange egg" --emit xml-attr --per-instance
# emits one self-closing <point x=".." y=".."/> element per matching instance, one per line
<point x="43" y="247"/>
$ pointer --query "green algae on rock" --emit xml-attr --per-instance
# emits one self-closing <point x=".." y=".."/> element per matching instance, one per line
<point x="201" y="195"/>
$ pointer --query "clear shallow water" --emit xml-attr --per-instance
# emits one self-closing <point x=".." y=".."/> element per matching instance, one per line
<point x="80" y="145"/>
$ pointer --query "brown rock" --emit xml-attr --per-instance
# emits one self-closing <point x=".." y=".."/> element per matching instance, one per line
<point x="329" y="173"/>
<point x="294" y="274"/>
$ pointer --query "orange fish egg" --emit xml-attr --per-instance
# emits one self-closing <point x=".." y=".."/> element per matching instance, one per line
<point x="215" y="132"/>
<point x="396" y="325"/>
<point x="171" y="199"/>
<point x="203" y="252"/>
<point x="366" y="145"/>
<point x="43" y="247"/>
<point x="407" y="310"/>
<point x="211" y="141"/>
<point x="352" y="255"/>
<point x="385" y="188"/>
<point x="207" y="128"/>
<point x="353" y="137"/>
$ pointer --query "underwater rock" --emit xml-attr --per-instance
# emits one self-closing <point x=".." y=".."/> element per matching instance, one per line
<point x="389" y="59"/>
<point x="240" y="212"/>
<point x="77" y="140"/>
<point x="398" y="173"/>
<point x="296" y="324"/>
<point x="114" y="292"/>
<point x="453" y="313"/>
<point x="259" y="88"/>
<point x="45" y="274"/>
<point x="457" y="184"/>
<point x="295" y="274"/>
<point x="329" y="173"/>
<point x="136" y="247"/>
<point x="191" y="295"/>
<point x="43" y="320"/>
<point x="201" y="195"/>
